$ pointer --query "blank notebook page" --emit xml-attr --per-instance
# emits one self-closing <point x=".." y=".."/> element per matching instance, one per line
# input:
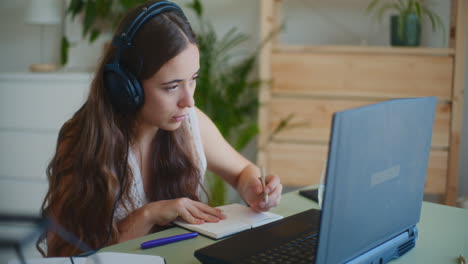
<point x="238" y="218"/>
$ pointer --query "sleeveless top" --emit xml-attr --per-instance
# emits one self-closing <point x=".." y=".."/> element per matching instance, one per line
<point x="137" y="192"/>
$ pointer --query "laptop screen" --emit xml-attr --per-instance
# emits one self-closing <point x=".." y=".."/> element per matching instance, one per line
<point x="375" y="178"/>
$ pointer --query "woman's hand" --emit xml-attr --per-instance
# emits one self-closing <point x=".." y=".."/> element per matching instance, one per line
<point x="193" y="212"/>
<point x="251" y="189"/>
<point x="161" y="213"/>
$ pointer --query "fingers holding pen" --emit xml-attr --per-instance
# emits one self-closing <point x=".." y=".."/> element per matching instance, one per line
<point x="273" y="190"/>
<point x="269" y="196"/>
<point x="272" y="182"/>
<point x="275" y="194"/>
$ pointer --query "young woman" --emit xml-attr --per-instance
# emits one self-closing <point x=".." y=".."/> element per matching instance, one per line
<point x="140" y="165"/>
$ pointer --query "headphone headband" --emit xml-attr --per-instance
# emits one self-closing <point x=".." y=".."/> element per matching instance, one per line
<point x="125" y="39"/>
<point x="125" y="90"/>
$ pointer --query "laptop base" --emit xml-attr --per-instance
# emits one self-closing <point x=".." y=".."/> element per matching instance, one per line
<point x="389" y="250"/>
<point x="261" y="239"/>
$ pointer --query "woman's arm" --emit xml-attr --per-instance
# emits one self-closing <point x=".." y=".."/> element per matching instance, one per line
<point x="239" y="172"/>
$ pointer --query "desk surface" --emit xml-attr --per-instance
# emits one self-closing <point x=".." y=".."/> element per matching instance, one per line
<point x="443" y="235"/>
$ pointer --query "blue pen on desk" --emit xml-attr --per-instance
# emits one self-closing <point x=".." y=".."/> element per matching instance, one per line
<point x="167" y="240"/>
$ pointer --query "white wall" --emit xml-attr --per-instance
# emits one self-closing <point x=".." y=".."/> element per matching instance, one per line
<point x="307" y="22"/>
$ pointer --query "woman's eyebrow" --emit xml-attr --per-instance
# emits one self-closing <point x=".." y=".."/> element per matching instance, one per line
<point x="178" y="80"/>
<point x="173" y="81"/>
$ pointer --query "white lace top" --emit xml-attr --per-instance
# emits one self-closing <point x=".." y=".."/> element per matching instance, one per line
<point x="137" y="191"/>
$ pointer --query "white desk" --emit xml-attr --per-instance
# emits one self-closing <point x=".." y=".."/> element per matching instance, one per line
<point x="443" y="235"/>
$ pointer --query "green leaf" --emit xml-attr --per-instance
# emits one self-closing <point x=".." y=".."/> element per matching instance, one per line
<point x="436" y="22"/>
<point x="431" y="18"/>
<point x="94" y="35"/>
<point x="410" y="6"/>
<point x="126" y="4"/>
<point x="75" y="7"/>
<point x="90" y="17"/>
<point x="217" y="189"/>
<point x="418" y="10"/>
<point x="401" y="4"/>
<point x="401" y="26"/>
<point x="103" y="7"/>
<point x="64" y="47"/>
<point x="246" y="135"/>
<point x="385" y="7"/>
<point x="372" y="5"/>
<point x="282" y="124"/>
<point x="196" y="6"/>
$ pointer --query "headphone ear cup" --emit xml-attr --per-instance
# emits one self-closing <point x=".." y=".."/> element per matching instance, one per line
<point x="125" y="91"/>
<point x="135" y="90"/>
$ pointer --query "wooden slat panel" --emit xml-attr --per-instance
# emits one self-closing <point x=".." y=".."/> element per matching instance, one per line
<point x="436" y="179"/>
<point x="383" y="50"/>
<point x="312" y="119"/>
<point x="297" y="164"/>
<point x="303" y="164"/>
<point x="457" y="105"/>
<point x="362" y="75"/>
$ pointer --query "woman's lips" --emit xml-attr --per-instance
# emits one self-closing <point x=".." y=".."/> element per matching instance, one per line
<point x="179" y="118"/>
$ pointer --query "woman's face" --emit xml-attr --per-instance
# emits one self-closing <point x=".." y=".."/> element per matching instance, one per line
<point x="169" y="93"/>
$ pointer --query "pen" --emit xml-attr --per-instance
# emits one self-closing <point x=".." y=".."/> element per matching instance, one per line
<point x="167" y="240"/>
<point x="264" y="184"/>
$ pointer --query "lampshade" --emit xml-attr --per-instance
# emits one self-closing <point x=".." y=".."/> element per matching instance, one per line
<point x="43" y="12"/>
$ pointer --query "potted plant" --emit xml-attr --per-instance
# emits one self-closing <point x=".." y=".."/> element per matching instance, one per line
<point x="406" y="24"/>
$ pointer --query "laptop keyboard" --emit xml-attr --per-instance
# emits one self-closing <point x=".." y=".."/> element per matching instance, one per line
<point x="300" y="250"/>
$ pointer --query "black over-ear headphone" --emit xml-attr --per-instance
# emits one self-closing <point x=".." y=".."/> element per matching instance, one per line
<point x="125" y="91"/>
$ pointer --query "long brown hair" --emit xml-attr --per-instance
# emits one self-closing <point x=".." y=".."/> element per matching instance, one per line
<point x="90" y="163"/>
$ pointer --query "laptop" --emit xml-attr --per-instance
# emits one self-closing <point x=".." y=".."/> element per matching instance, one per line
<point x="374" y="184"/>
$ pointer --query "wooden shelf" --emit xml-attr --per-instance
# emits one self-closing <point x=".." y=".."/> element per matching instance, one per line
<point x="299" y="95"/>
<point x="365" y="49"/>
<point x="312" y="82"/>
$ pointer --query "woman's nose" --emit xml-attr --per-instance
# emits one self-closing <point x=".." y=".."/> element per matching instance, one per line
<point x="187" y="99"/>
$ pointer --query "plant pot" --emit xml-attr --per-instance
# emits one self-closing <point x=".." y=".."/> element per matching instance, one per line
<point x="407" y="32"/>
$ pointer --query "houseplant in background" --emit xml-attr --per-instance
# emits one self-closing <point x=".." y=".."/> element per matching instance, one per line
<point x="226" y="89"/>
<point x="406" y="24"/>
<point x="96" y="16"/>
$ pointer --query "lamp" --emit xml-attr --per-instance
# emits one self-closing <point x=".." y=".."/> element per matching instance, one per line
<point x="43" y="13"/>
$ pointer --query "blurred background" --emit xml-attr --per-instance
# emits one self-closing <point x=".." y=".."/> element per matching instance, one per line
<point x="34" y="104"/>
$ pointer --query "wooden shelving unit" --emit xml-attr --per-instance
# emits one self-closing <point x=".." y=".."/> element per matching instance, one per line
<point x="312" y="82"/>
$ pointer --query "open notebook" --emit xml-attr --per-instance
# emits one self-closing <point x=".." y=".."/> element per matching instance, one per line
<point x="238" y="218"/>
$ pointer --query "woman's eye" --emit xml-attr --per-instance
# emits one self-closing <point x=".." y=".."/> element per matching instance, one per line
<point x="172" y="88"/>
<point x="196" y="77"/>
